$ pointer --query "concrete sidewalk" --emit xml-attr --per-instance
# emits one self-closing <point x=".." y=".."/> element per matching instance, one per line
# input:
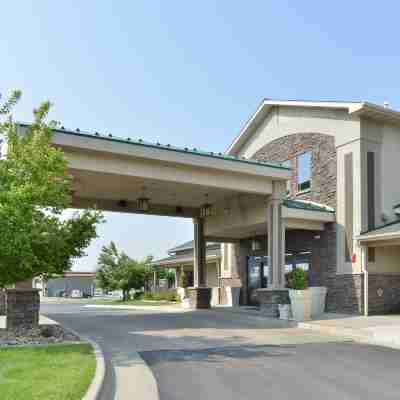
<point x="382" y="330"/>
<point x="42" y="321"/>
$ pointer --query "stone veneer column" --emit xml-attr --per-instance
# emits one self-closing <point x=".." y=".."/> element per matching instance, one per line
<point x="199" y="295"/>
<point x="22" y="308"/>
<point x="2" y="302"/>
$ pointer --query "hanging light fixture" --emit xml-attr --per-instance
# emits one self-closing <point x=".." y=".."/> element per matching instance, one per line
<point x="143" y="203"/>
<point x="255" y="243"/>
<point x="206" y="209"/>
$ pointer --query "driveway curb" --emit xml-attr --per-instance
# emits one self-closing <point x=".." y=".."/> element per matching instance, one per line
<point x="94" y="390"/>
<point x="93" y="393"/>
<point x="139" y="376"/>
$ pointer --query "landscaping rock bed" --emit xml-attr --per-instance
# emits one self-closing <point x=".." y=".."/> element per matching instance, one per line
<point x="44" y="334"/>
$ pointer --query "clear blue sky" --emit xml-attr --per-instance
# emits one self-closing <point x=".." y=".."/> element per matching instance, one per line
<point x="190" y="73"/>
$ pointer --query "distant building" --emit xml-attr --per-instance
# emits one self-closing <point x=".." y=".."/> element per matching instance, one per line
<point x="63" y="286"/>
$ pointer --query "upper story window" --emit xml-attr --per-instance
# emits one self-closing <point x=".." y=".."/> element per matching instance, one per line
<point x="304" y="171"/>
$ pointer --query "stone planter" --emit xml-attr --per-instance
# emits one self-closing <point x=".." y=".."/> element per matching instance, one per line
<point x="318" y="296"/>
<point x="270" y="300"/>
<point x="182" y="293"/>
<point x="285" y="311"/>
<point x="22" y="308"/>
<point x="185" y="303"/>
<point x="300" y="301"/>
<point x="200" y="297"/>
<point x="2" y="302"/>
<point x="214" y="296"/>
<point x="232" y="296"/>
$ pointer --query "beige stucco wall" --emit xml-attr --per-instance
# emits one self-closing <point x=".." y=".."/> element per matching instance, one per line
<point x="282" y="121"/>
<point x="387" y="260"/>
<point x="346" y="129"/>
<point x="212" y="275"/>
<point x="344" y="267"/>
<point x="390" y="195"/>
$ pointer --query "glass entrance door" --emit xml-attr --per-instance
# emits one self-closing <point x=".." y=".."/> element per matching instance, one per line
<point x="257" y="276"/>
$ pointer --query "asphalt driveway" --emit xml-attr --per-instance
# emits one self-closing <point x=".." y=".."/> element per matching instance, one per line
<point x="226" y="355"/>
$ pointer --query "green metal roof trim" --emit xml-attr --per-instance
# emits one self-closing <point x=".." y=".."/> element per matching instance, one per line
<point x="300" y="205"/>
<point x="381" y="227"/>
<point x="169" y="147"/>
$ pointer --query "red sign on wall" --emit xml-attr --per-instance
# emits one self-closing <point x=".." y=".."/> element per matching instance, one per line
<point x="354" y="258"/>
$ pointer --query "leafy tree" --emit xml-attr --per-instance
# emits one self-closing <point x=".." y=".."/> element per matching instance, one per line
<point x="117" y="271"/>
<point x="35" y="189"/>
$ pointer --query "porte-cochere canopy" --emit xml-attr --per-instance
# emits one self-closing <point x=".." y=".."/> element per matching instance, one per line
<point x="243" y="197"/>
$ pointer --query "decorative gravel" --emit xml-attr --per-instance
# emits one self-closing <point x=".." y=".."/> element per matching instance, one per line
<point x="44" y="334"/>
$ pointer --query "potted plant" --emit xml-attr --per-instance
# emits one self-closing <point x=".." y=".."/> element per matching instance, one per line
<point x="300" y="295"/>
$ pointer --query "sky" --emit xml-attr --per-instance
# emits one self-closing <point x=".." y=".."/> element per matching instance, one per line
<point x="189" y="73"/>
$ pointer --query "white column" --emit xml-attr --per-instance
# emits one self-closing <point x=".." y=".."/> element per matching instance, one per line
<point x="364" y="267"/>
<point x="276" y="238"/>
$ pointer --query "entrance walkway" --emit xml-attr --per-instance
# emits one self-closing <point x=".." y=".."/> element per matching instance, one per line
<point x="382" y="330"/>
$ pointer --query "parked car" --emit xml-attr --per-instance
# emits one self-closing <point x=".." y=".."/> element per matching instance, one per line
<point x="76" y="294"/>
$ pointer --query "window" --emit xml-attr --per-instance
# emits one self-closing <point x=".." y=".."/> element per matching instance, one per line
<point x="371" y="254"/>
<point x="304" y="171"/>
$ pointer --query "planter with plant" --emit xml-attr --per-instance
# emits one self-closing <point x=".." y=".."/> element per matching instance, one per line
<point x="300" y="295"/>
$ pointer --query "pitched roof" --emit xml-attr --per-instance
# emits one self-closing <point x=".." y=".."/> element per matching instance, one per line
<point x="353" y="107"/>
<point x="307" y="205"/>
<point x="167" y="147"/>
<point x="388" y="231"/>
<point x="187" y="258"/>
<point x="188" y="246"/>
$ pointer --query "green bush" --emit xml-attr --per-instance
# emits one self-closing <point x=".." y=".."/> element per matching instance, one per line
<point x="297" y="279"/>
<point x="184" y="281"/>
<point x="162" y="296"/>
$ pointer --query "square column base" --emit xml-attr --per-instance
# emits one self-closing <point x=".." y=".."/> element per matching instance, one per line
<point x="200" y="298"/>
<point x="269" y="300"/>
<point x="2" y="302"/>
<point x="22" y="308"/>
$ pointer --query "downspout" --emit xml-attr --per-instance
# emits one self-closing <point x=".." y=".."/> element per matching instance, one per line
<point x="364" y="268"/>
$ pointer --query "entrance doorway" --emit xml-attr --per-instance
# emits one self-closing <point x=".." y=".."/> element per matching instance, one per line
<point x="257" y="276"/>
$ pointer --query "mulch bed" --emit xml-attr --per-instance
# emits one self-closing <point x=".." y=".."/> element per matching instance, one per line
<point x="44" y="334"/>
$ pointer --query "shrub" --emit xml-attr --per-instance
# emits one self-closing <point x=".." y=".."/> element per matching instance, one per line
<point x="163" y="296"/>
<point x="184" y="281"/>
<point x="297" y="279"/>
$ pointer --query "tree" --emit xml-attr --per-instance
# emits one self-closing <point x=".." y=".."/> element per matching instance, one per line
<point x="117" y="271"/>
<point x="35" y="189"/>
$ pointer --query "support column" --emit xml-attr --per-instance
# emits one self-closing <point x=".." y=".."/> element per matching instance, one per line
<point x="276" y="244"/>
<point x="200" y="295"/>
<point x="199" y="275"/>
<point x="154" y="281"/>
<point x="276" y="293"/>
<point x="364" y="267"/>
<point x="22" y="308"/>
<point x="2" y="302"/>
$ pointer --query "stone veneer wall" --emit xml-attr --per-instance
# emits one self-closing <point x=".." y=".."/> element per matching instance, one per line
<point x="345" y="294"/>
<point x="22" y="308"/>
<point x="2" y="302"/>
<point x="322" y="147"/>
<point x="383" y="293"/>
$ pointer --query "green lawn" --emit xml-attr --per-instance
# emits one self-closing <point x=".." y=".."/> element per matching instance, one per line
<point x="133" y="302"/>
<point x="55" y="372"/>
